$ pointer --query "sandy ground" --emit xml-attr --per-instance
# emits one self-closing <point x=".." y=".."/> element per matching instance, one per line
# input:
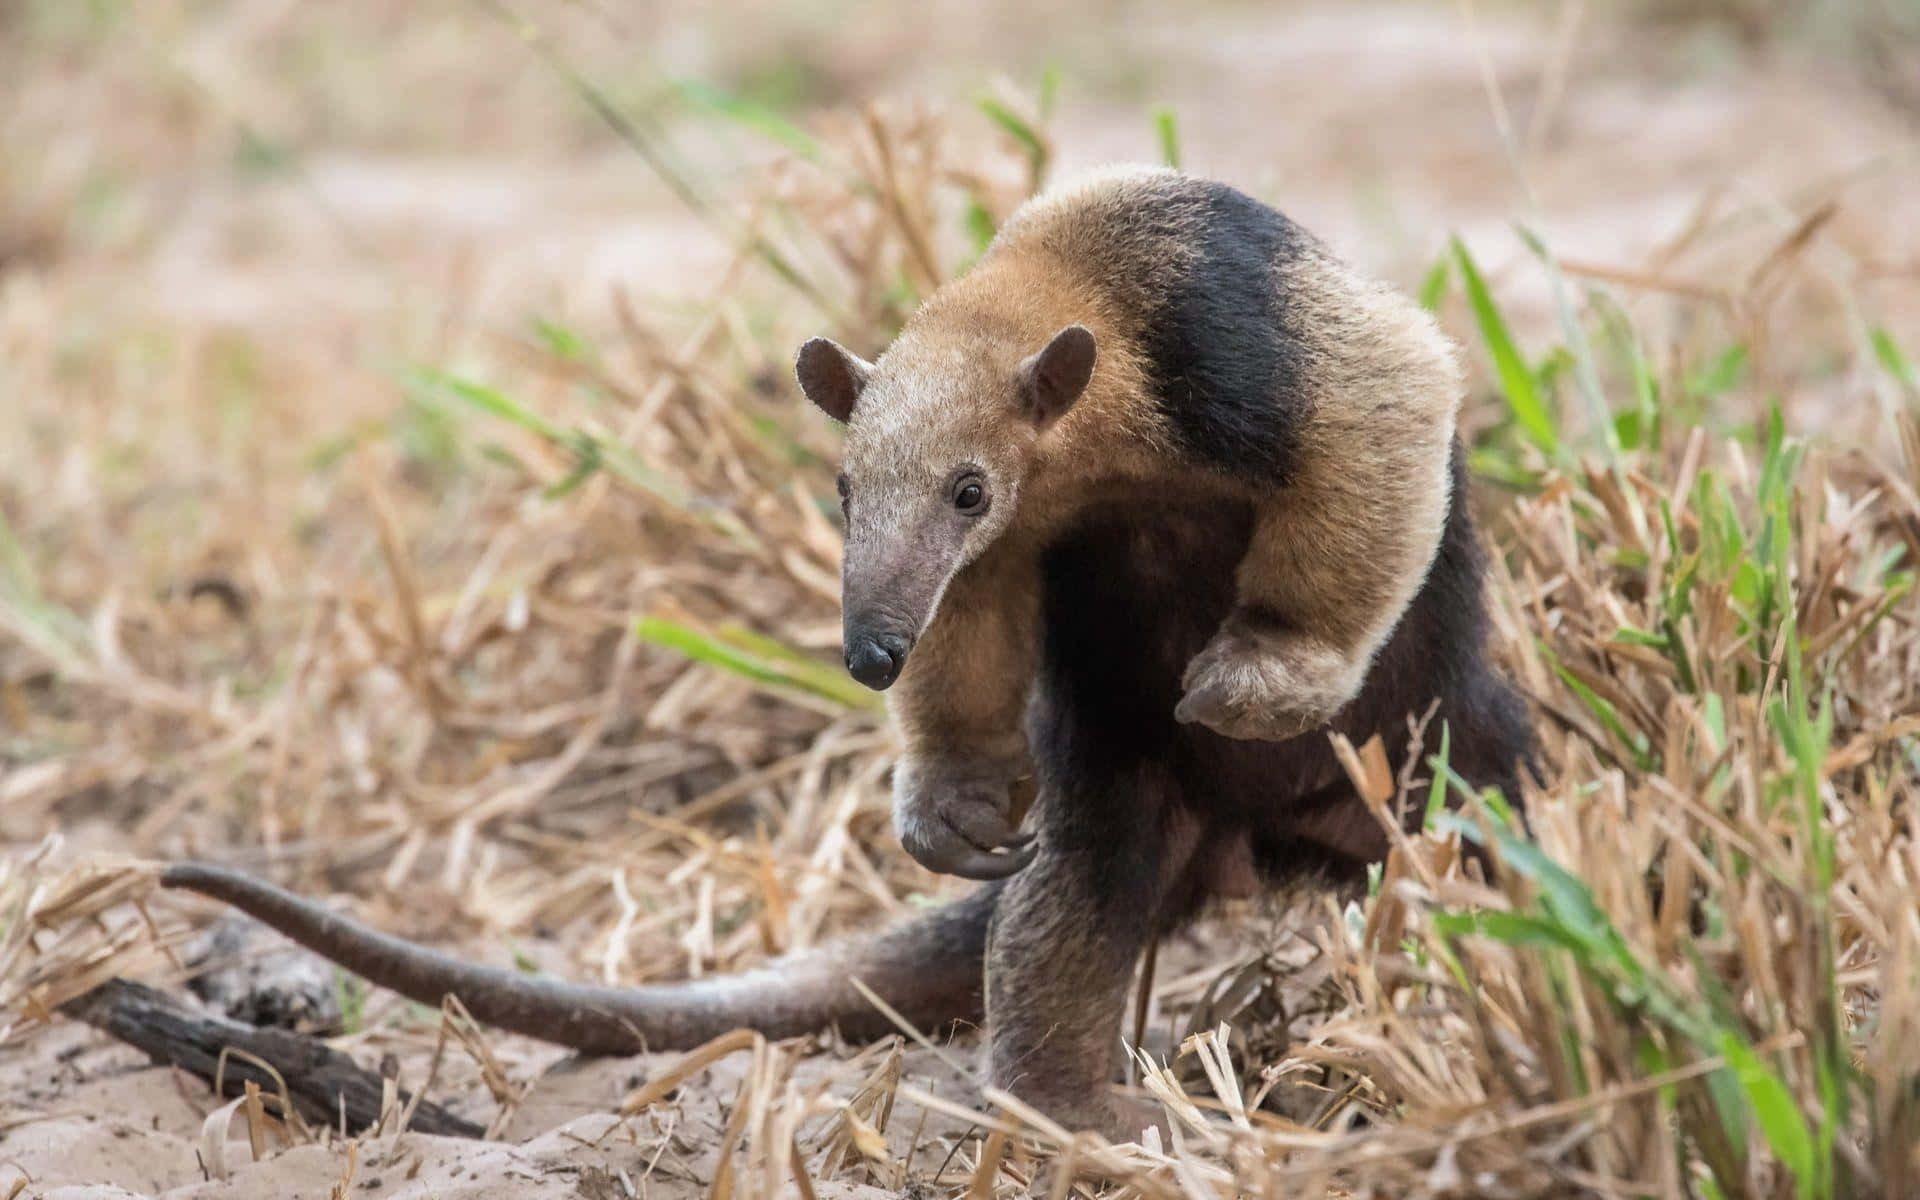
<point x="94" y="1120"/>
<point x="1371" y="126"/>
<point x="89" y="1117"/>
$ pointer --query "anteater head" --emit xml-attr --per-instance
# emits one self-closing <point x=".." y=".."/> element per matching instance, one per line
<point x="941" y="433"/>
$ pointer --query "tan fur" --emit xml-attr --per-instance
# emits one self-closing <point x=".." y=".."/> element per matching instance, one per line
<point x="961" y="702"/>
<point x="1339" y="553"/>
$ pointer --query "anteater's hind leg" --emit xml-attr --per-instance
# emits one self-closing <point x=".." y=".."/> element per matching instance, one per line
<point x="1064" y="941"/>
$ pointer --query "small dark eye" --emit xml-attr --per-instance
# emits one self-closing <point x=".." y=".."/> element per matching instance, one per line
<point x="969" y="496"/>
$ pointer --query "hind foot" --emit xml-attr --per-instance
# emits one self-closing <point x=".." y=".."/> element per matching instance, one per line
<point x="1262" y="686"/>
<point x="1119" y="1118"/>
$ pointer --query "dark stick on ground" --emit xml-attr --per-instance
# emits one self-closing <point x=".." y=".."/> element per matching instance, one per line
<point x="321" y="1082"/>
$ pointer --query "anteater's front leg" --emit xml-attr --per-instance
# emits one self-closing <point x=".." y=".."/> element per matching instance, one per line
<point x="1336" y="556"/>
<point x="1067" y="932"/>
<point x="960" y="706"/>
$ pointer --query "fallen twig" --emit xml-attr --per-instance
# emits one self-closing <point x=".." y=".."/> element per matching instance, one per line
<point x="321" y="1082"/>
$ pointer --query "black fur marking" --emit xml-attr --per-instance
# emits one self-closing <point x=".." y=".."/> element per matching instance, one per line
<point x="1102" y="728"/>
<point x="1223" y="364"/>
<point x="1200" y="268"/>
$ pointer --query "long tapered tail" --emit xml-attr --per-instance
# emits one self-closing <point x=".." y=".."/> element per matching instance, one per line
<point x="927" y="969"/>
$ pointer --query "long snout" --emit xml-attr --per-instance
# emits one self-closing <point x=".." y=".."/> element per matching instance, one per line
<point x="891" y="579"/>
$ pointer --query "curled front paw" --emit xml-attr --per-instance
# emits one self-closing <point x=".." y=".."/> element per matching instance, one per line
<point x="959" y="824"/>
<point x="1266" y="688"/>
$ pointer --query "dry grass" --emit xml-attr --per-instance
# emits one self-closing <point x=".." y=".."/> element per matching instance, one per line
<point x="539" y="639"/>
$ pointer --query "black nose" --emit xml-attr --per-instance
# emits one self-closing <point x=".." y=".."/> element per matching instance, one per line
<point x="875" y="660"/>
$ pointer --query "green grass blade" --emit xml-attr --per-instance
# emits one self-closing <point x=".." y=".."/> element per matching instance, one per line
<point x="589" y="453"/>
<point x="760" y="644"/>
<point x="1579" y="347"/>
<point x="1433" y="288"/>
<point x="561" y="341"/>
<point x="493" y="402"/>
<point x="1437" y="790"/>
<point x="750" y="115"/>
<point x="1641" y="425"/>
<point x="1720" y="376"/>
<point x="1519" y="930"/>
<point x="1166" y="130"/>
<point x="1896" y="363"/>
<point x="1049" y="90"/>
<point x="1517" y="384"/>
<point x="1022" y="132"/>
<point x="1604" y="711"/>
<point x="787" y="669"/>
<point x="1773" y="1107"/>
<point x="980" y="226"/>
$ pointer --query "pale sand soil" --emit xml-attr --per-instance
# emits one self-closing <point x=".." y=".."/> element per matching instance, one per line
<point x="89" y="1118"/>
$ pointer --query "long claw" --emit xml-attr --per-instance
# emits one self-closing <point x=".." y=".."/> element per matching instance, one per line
<point x="982" y="866"/>
<point x="941" y="848"/>
<point x="981" y="827"/>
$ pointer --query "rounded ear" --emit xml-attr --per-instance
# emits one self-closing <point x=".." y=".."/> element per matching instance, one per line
<point x="831" y="376"/>
<point x="1053" y="379"/>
